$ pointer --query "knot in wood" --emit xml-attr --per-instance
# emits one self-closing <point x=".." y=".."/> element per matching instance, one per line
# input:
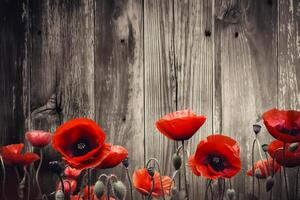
<point x="232" y="16"/>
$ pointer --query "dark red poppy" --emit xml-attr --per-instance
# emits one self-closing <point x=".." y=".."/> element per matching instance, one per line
<point x="71" y="172"/>
<point x="142" y="181"/>
<point x="12" y="155"/>
<point x="292" y="158"/>
<point x="283" y="125"/>
<point x="69" y="186"/>
<point x="81" y="143"/>
<point x="115" y="156"/>
<point x="262" y="166"/>
<point x="180" y="125"/>
<point x="217" y="156"/>
<point x="38" y="138"/>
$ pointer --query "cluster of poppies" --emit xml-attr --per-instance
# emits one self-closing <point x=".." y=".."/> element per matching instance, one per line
<point x="81" y="143"/>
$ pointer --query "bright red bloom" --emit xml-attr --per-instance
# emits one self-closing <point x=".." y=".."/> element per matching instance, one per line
<point x="217" y="156"/>
<point x="262" y="166"/>
<point x="180" y="125"/>
<point x="142" y="181"/>
<point x="292" y="159"/>
<point x="81" y="143"/>
<point x="115" y="156"/>
<point x="12" y="155"/>
<point x="38" y="138"/>
<point x="69" y="186"/>
<point x="71" y="172"/>
<point x="283" y="125"/>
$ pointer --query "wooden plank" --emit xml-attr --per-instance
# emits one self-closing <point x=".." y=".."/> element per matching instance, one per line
<point x="62" y="71"/>
<point x="119" y="103"/>
<point x="193" y="55"/>
<point x="289" y="65"/>
<point x="245" y="49"/>
<point x="160" y="79"/>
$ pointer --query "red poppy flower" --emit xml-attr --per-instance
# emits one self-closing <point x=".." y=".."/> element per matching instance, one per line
<point x="217" y="156"/>
<point x="71" y="172"/>
<point x="292" y="158"/>
<point x="142" y="181"/>
<point x="69" y="186"/>
<point x="81" y="143"/>
<point x="38" y="138"/>
<point x="262" y="166"/>
<point x="283" y="125"/>
<point x="115" y="156"/>
<point x="180" y="125"/>
<point x="12" y="155"/>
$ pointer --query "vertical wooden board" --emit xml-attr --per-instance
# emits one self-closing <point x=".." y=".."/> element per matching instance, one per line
<point x="289" y="65"/>
<point x="13" y="83"/>
<point x="62" y="67"/>
<point x="193" y="41"/>
<point x="160" y="79"/>
<point x="119" y="105"/>
<point x="246" y="45"/>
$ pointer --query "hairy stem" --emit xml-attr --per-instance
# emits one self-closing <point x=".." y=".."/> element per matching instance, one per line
<point x="37" y="173"/>
<point x="130" y="183"/>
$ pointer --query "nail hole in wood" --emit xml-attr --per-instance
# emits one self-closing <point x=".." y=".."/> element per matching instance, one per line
<point x="39" y="32"/>
<point x="207" y="33"/>
<point x="270" y="2"/>
<point x="124" y="119"/>
<point x="122" y="41"/>
<point x="236" y="34"/>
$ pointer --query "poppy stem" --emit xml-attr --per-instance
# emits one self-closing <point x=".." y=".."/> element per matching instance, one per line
<point x="258" y="186"/>
<point x="184" y="171"/>
<point x="4" y="178"/>
<point x="37" y="173"/>
<point x="89" y="183"/>
<point x="29" y="183"/>
<point x="83" y="183"/>
<point x="268" y="165"/>
<point x="297" y="176"/>
<point x="284" y="172"/>
<point x="130" y="183"/>
<point x="108" y="188"/>
<point x="159" y="171"/>
<point x="253" y="169"/>
<point x="211" y="192"/>
<point x="260" y="154"/>
<point x="208" y="182"/>
<point x="274" y="158"/>
<point x="152" y="188"/>
<point x="62" y="183"/>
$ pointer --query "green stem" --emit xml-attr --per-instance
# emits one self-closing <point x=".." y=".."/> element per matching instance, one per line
<point x="184" y="172"/>
<point x="207" y="186"/>
<point x="4" y="178"/>
<point x="159" y="171"/>
<point x="130" y="183"/>
<point x="152" y="188"/>
<point x="258" y="185"/>
<point x="108" y="188"/>
<point x="253" y="169"/>
<point x="37" y="173"/>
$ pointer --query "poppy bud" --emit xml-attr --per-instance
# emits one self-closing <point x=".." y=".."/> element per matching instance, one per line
<point x="257" y="173"/>
<point x="55" y="167"/>
<point x="177" y="161"/>
<point x="119" y="190"/>
<point x="99" y="189"/>
<point x="151" y="171"/>
<point x="264" y="147"/>
<point x="269" y="183"/>
<point x="126" y="162"/>
<point x="230" y="194"/>
<point x="59" y="195"/>
<point x="256" y="128"/>
<point x="294" y="146"/>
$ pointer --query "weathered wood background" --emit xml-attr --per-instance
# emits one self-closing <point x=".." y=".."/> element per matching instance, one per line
<point x="126" y="63"/>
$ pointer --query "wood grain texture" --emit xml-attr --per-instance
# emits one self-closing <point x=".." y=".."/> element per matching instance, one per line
<point x="62" y="69"/>
<point x="289" y="65"/>
<point x="119" y="103"/>
<point x="246" y="67"/>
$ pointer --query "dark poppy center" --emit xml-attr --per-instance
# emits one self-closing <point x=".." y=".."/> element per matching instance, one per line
<point x="81" y="147"/>
<point x="291" y="129"/>
<point x="216" y="162"/>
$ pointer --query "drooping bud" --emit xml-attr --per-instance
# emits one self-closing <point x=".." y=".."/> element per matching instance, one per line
<point x="265" y="147"/>
<point x="256" y="128"/>
<point x="126" y="162"/>
<point x="55" y="167"/>
<point x="230" y="193"/>
<point x="119" y="190"/>
<point x="269" y="183"/>
<point x="99" y="189"/>
<point x="177" y="161"/>
<point x="257" y="173"/>
<point x="151" y="171"/>
<point x="59" y="195"/>
<point x="294" y="146"/>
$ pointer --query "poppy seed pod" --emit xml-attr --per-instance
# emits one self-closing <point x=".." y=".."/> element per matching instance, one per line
<point x="177" y="161"/>
<point x="269" y="183"/>
<point x="99" y="189"/>
<point x="59" y="195"/>
<point x="294" y="146"/>
<point x="151" y="171"/>
<point x="126" y="162"/>
<point x="119" y="190"/>
<point x="264" y="147"/>
<point x="257" y="173"/>
<point x="55" y="167"/>
<point x="256" y="128"/>
<point x="230" y="194"/>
